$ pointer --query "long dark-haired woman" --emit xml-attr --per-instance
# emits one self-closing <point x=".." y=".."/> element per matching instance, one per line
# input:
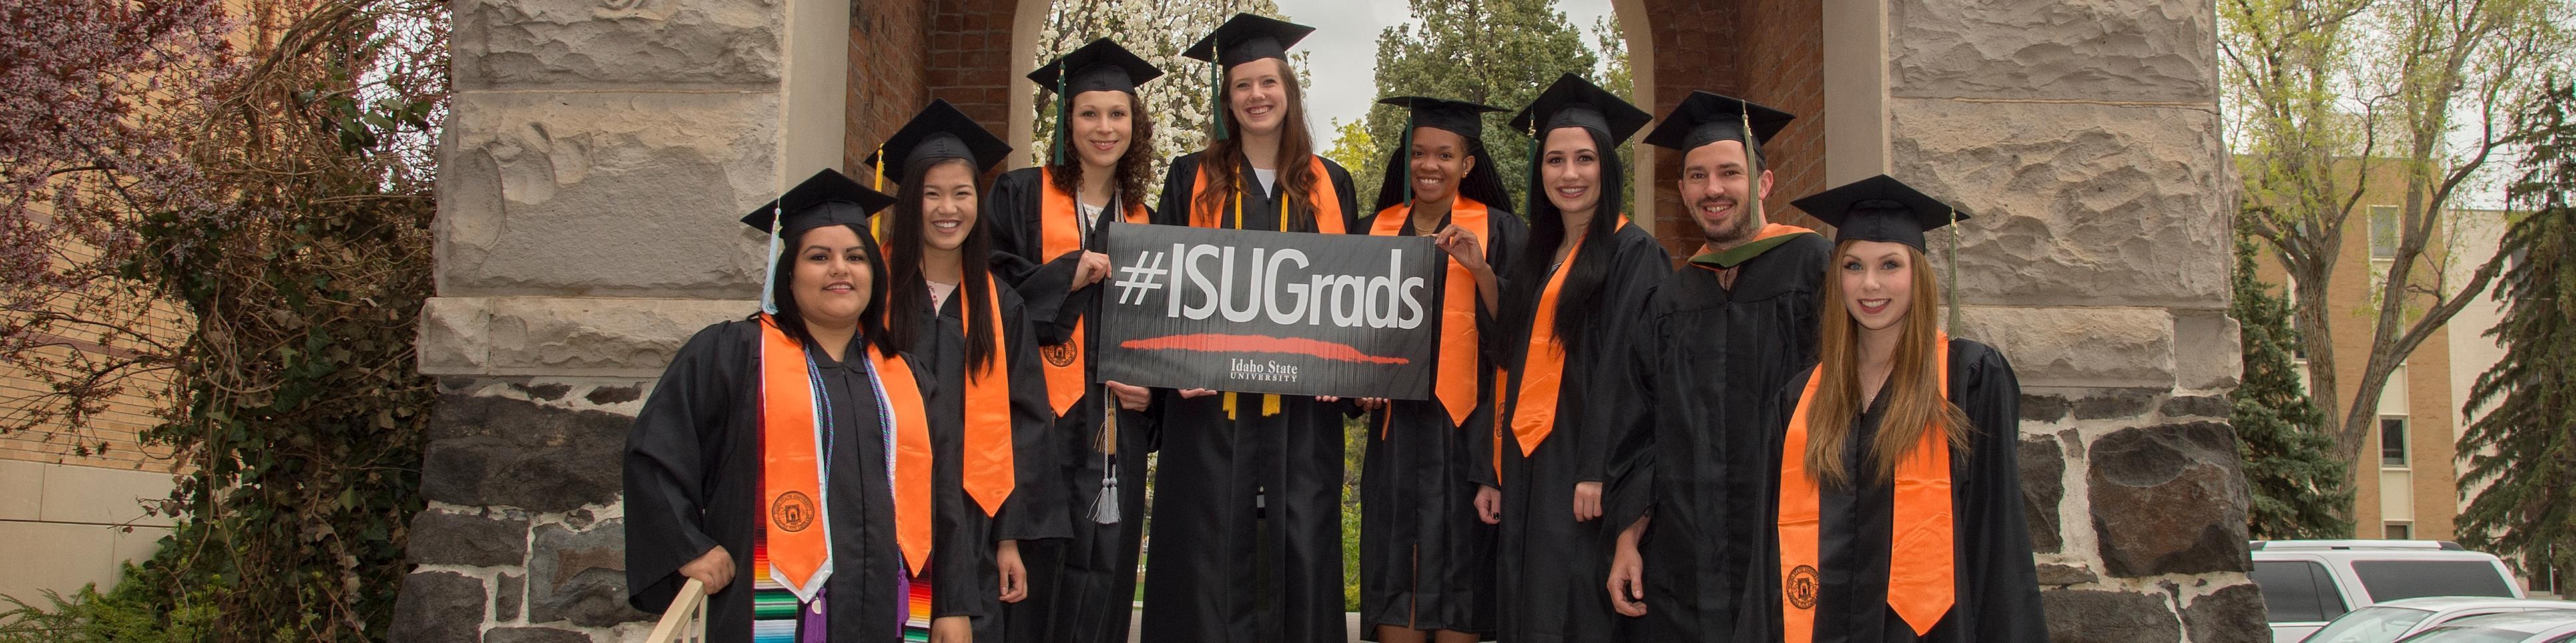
<point x="784" y="459"/>
<point x="1247" y="519"/>
<point x="1426" y="560"/>
<point x="1580" y="279"/>
<point x="1047" y="224"/>
<point x="1899" y="506"/>
<point x="997" y="477"/>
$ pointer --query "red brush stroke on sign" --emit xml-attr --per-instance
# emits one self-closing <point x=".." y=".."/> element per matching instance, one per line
<point x="1223" y="343"/>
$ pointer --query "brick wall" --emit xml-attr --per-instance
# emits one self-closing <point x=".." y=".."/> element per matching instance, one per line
<point x="889" y="55"/>
<point x="1776" y="60"/>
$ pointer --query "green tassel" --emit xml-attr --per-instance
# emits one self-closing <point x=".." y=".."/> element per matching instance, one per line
<point x="1063" y="125"/>
<point x="1535" y="192"/>
<point x="1752" y="160"/>
<point x="1216" y="86"/>
<point x="1404" y="154"/>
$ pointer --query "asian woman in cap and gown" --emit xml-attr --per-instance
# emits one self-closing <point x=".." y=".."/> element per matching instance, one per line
<point x="999" y="481"/>
<point x="1579" y="281"/>
<point x="784" y="459"/>
<point x="1426" y="560"/>
<point x="1247" y="519"/>
<point x="1048" y="223"/>
<point x="1897" y="512"/>
<point x="1696" y="396"/>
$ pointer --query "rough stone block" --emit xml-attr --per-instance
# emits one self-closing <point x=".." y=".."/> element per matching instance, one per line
<point x="2208" y="356"/>
<point x="2196" y="405"/>
<point x="510" y="591"/>
<point x="533" y="635"/>
<point x="487" y="452"/>
<point x="2062" y="575"/>
<point x="2096" y="616"/>
<point x="580" y="576"/>
<point x="572" y="42"/>
<point x="2091" y="50"/>
<point x="2186" y="476"/>
<point x="2233" y="614"/>
<point x="444" y="538"/>
<point x="2043" y="485"/>
<point x="2078" y="347"/>
<point x="604" y="193"/>
<point x="2075" y="204"/>
<point x="2042" y="408"/>
<point x="437" y="607"/>
<point x="2115" y="403"/>
<point x="600" y="336"/>
<point x="452" y="335"/>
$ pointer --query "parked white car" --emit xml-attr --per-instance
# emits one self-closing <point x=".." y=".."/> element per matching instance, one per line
<point x="2545" y="626"/>
<point x="2309" y="582"/>
<point x="2387" y="622"/>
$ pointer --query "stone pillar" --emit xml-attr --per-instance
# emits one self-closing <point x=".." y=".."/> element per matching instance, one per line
<point x="596" y="156"/>
<point x="2084" y="137"/>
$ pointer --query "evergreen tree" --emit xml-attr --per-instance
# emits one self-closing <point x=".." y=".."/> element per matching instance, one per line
<point x="2522" y="453"/>
<point x="2290" y="462"/>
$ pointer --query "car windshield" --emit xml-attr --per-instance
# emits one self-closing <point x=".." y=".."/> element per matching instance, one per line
<point x="2374" y="624"/>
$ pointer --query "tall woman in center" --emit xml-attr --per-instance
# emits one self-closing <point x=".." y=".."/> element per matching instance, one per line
<point x="1246" y="529"/>
<point x="1584" y="273"/>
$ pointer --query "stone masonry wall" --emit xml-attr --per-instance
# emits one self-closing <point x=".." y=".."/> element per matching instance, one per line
<point x="2084" y="138"/>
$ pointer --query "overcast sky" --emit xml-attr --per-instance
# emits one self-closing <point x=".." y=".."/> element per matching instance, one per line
<point x="1342" y="54"/>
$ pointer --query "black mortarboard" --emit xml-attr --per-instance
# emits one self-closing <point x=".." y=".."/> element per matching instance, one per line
<point x="1703" y="118"/>
<point x="1880" y="208"/>
<point x="1462" y="117"/>
<point x="825" y="199"/>
<point x="939" y="132"/>
<point x="1101" y="65"/>
<point x="1246" y="38"/>
<point x="1574" y="102"/>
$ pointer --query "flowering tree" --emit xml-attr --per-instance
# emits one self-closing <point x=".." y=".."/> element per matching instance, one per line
<point x="1157" y="30"/>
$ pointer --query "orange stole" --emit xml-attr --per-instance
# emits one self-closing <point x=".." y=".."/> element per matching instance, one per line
<point x="1542" y="366"/>
<point x="791" y="464"/>
<point x="1456" y="381"/>
<point x="988" y="457"/>
<point x="1327" y="201"/>
<point x="1922" y="578"/>
<point x="1060" y="227"/>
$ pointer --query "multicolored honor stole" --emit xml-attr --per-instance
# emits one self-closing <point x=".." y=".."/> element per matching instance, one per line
<point x="1328" y="220"/>
<point x="1922" y="579"/>
<point x="1062" y="230"/>
<point x="1542" y="365"/>
<point x="1455" y="385"/>
<point x="1770" y="236"/>
<point x="791" y="554"/>
<point x="988" y="457"/>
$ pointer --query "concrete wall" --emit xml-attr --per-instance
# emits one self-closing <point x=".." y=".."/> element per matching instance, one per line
<point x="71" y="525"/>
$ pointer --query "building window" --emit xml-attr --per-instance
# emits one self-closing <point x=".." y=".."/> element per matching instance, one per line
<point x="2401" y="531"/>
<point x="2384" y="231"/>
<point x="2392" y="441"/>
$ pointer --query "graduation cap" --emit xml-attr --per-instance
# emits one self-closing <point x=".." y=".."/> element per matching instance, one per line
<point x="827" y="198"/>
<point x="1244" y="38"/>
<point x="1703" y="118"/>
<point x="1457" y="116"/>
<point x="939" y="132"/>
<point x="1880" y="208"/>
<point x="1574" y="102"/>
<point x="1101" y="66"/>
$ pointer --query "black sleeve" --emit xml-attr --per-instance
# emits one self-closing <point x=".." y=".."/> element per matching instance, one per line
<point x="1506" y="234"/>
<point x="1177" y="181"/>
<point x="1999" y="590"/>
<point x="669" y="456"/>
<point x="1010" y="209"/>
<point x="1628" y="489"/>
<point x="1037" y="505"/>
<point x="1350" y="196"/>
<point x="1641" y="263"/>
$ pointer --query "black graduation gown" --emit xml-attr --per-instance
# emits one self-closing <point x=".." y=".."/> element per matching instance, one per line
<point x="1553" y="566"/>
<point x="692" y="471"/>
<point x="1081" y="589"/>
<point x="1426" y="560"/>
<point x="1246" y="532"/>
<point x="1702" y="385"/>
<point x="964" y="537"/>
<point x="1998" y="592"/>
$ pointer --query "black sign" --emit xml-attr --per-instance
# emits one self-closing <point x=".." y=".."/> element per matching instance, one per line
<point x="1271" y="312"/>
